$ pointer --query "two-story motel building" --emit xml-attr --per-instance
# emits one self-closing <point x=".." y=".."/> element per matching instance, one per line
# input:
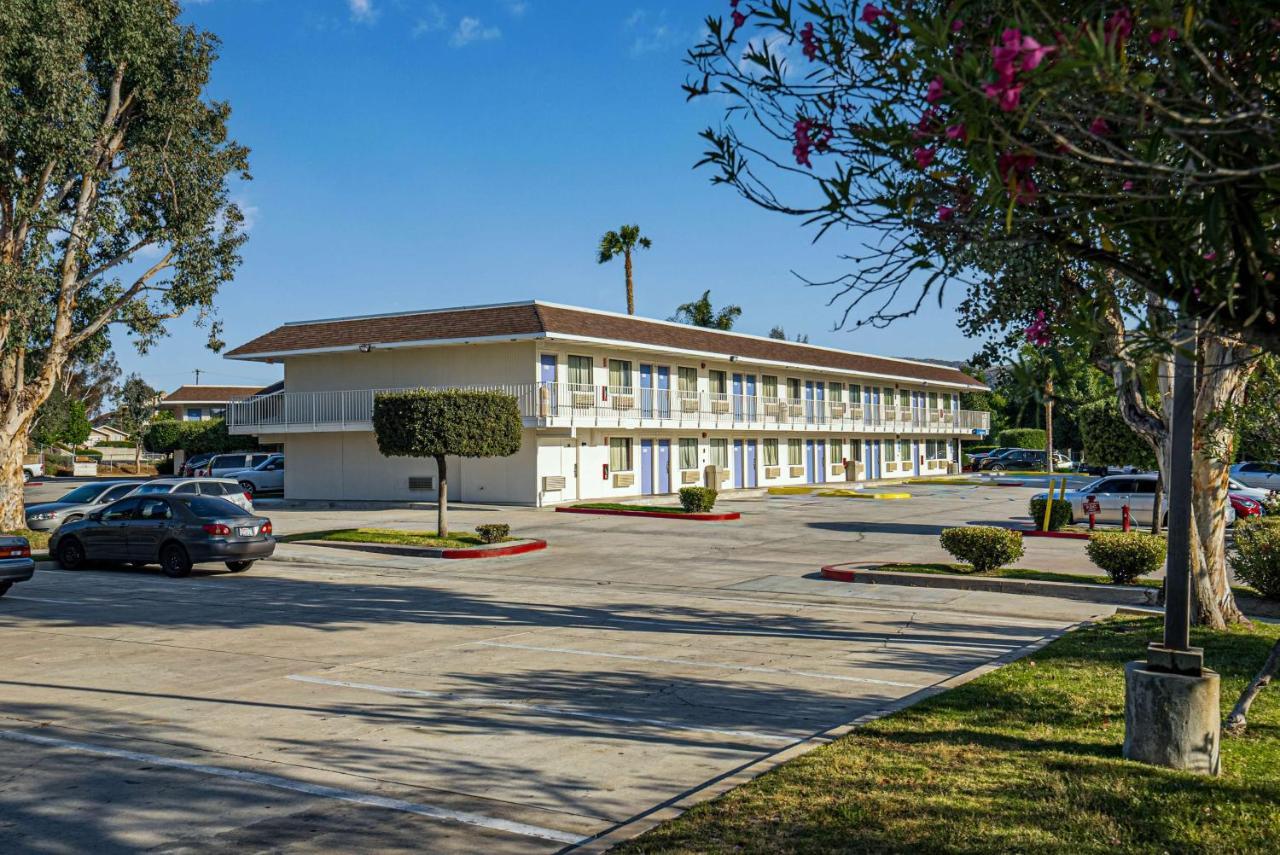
<point x="613" y="406"/>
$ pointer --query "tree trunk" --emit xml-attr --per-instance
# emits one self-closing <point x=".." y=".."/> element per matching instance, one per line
<point x="1238" y="720"/>
<point x="1157" y="505"/>
<point x="1226" y="367"/>
<point x="442" y="497"/>
<point x="631" y="291"/>
<point x="12" y="449"/>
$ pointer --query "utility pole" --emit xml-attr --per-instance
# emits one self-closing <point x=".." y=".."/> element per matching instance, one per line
<point x="197" y="376"/>
<point x="1172" y="715"/>
<point x="1048" y="423"/>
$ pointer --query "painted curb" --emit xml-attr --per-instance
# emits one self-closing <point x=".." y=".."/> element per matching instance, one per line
<point x="846" y="494"/>
<point x="1080" y="591"/>
<point x="1066" y="535"/>
<point x="430" y="551"/>
<point x="1009" y="484"/>
<point x="613" y="512"/>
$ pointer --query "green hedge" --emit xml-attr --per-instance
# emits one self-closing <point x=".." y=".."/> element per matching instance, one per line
<point x="1255" y="554"/>
<point x="1058" y="517"/>
<point x="979" y="449"/>
<point x="984" y="547"/>
<point x="493" y="532"/>
<point x="1126" y="556"/>
<point x="114" y="443"/>
<point x="210" y="437"/>
<point x="1033" y="438"/>
<point x="1108" y="441"/>
<point x="697" y="500"/>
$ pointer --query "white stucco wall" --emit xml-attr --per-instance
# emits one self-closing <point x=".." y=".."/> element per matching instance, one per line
<point x="393" y="368"/>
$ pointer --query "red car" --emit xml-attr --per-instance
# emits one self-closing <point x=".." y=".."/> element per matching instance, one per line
<point x="1244" y="506"/>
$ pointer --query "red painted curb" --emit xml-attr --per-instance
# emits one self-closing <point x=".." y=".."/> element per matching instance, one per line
<point x="34" y="484"/>
<point x="610" y="512"/>
<point x="1010" y="484"/>
<point x="1068" y="535"/>
<point x="495" y="552"/>
<point x="834" y="573"/>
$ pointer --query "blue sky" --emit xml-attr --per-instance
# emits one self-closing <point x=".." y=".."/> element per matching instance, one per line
<point x="410" y="154"/>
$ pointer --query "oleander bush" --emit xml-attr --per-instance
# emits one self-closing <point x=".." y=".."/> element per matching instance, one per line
<point x="1059" y="517"/>
<point x="1033" y="438"/>
<point x="1255" y="555"/>
<point x="1126" y="556"/>
<point x="983" y="547"/>
<point x="696" y="500"/>
<point x="493" y="532"/>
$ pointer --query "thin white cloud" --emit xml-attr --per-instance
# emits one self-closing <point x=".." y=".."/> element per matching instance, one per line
<point x="432" y="19"/>
<point x="651" y="33"/>
<point x="362" y="11"/>
<point x="517" y="7"/>
<point x="473" y="30"/>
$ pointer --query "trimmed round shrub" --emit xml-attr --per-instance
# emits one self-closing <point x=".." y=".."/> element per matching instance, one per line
<point x="696" y="500"/>
<point x="1058" y="517"/>
<point x="1255" y="555"/>
<point x="165" y="467"/>
<point x="493" y="532"/>
<point x="1126" y="556"/>
<point x="984" y="547"/>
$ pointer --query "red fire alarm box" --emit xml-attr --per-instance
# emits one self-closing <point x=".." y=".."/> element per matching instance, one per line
<point x="604" y="467"/>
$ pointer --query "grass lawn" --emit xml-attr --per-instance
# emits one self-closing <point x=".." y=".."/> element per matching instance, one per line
<point x="38" y="539"/>
<point x="1024" y="759"/>
<point x="456" y="540"/>
<point x="620" y="506"/>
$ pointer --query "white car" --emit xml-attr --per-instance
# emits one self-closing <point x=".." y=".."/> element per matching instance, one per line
<point x="1258" y="494"/>
<point x="31" y="471"/>
<point x="222" y="488"/>
<point x="1113" y="492"/>
<point x="1265" y="476"/>
<point x="222" y="465"/>
<point x="266" y="477"/>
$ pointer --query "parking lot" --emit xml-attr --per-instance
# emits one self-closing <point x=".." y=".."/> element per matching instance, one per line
<point x="337" y="701"/>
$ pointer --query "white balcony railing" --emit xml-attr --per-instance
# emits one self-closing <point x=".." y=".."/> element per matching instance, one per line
<point x="577" y="405"/>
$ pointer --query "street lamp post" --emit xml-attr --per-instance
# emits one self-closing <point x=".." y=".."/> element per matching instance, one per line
<point x="1172" y="716"/>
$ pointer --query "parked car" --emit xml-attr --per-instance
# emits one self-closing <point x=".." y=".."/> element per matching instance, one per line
<point x="1258" y="494"/>
<point x="975" y="460"/>
<point x="222" y="465"/>
<point x="1245" y="506"/>
<point x="1109" y="470"/>
<point x="266" y="477"/>
<point x="173" y="530"/>
<point x="1252" y="474"/>
<point x="1023" y="458"/>
<point x="31" y="471"/>
<point x="15" y="561"/>
<point x="1113" y="492"/>
<point x="222" y="488"/>
<point x="193" y="464"/>
<point x="80" y="502"/>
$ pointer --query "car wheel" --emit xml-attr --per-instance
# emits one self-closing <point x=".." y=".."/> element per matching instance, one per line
<point x="70" y="554"/>
<point x="4" y="588"/>
<point x="174" y="561"/>
<point x="26" y="475"/>
<point x="997" y="467"/>
<point x="239" y="566"/>
<point x="247" y="486"/>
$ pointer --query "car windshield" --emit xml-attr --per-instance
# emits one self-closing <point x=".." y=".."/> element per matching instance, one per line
<point x="154" y="488"/>
<point x="270" y="461"/>
<point x="211" y="507"/>
<point x="83" y="494"/>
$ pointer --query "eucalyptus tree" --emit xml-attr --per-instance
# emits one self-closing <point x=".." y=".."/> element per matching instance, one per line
<point x="115" y="192"/>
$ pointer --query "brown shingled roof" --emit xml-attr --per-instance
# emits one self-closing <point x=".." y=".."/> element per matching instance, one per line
<point x="188" y="394"/>
<point x="527" y="319"/>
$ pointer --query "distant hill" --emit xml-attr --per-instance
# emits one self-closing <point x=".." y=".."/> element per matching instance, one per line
<point x="949" y="363"/>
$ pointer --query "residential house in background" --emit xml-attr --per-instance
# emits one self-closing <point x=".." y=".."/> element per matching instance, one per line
<point x="613" y="406"/>
<point x="201" y="403"/>
<point x="106" y="433"/>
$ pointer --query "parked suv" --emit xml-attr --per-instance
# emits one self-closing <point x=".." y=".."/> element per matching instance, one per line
<point x="220" y="488"/>
<point x="222" y="465"/>
<point x="193" y="464"/>
<point x="1022" y="458"/>
<point x="266" y="477"/>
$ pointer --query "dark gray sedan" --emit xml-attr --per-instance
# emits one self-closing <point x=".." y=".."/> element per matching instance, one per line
<point x="15" y="561"/>
<point x="173" y="530"/>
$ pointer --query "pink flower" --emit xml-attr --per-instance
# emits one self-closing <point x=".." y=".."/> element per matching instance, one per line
<point x="1033" y="53"/>
<point x="738" y="19"/>
<point x="1128" y="185"/>
<point x="946" y="213"/>
<point x="1099" y="127"/>
<point x="957" y="132"/>
<point x="1211" y="256"/>
<point x="810" y="42"/>
<point x="1038" y="331"/>
<point x="928" y="124"/>
<point x="1119" y="26"/>
<point x="957" y="25"/>
<point x="934" y="93"/>
<point x="870" y="12"/>
<point x="1007" y="98"/>
<point x="924" y="156"/>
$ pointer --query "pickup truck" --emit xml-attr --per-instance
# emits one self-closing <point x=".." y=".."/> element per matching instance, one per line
<point x="31" y="471"/>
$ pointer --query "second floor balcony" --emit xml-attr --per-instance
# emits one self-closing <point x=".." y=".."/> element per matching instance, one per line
<point x="564" y="405"/>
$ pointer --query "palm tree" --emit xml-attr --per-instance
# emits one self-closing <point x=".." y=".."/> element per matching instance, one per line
<point x="701" y="314"/>
<point x="621" y="243"/>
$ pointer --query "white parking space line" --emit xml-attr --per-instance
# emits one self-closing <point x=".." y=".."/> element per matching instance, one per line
<point x="277" y="782"/>
<point x="759" y="669"/>
<point x="477" y="701"/>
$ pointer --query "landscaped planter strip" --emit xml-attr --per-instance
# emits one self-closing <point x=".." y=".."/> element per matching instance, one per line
<point x="1111" y="594"/>
<point x="497" y="550"/>
<point x="675" y="515"/>
<point x="1069" y="535"/>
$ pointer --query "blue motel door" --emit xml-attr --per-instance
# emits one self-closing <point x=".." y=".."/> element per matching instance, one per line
<point x="646" y="392"/>
<point x="751" y="463"/>
<point x="664" y="466"/>
<point x="808" y="462"/>
<point x="739" y="463"/>
<point x="646" y="467"/>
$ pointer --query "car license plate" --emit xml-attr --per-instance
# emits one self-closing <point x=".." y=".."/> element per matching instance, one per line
<point x="246" y="531"/>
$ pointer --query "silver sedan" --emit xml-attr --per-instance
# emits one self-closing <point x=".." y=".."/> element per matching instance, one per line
<point x="77" y="504"/>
